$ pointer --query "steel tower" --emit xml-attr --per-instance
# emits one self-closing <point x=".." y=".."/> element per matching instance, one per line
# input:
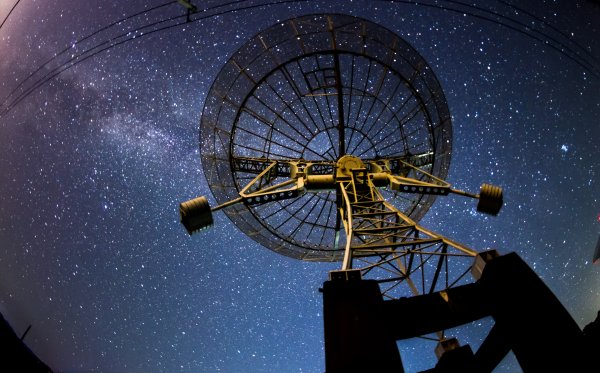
<point x="327" y="138"/>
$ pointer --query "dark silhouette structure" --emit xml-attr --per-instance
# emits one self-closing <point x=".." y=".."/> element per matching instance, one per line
<point x="529" y="320"/>
<point x="14" y="354"/>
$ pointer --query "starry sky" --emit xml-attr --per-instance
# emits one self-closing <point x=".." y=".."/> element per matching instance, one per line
<point x="100" y="105"/>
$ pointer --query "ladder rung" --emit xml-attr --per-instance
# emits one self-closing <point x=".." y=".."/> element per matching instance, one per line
<point x="396" y="244"/>
<point x="361" y="214"/>
<point x="382" y="229"/>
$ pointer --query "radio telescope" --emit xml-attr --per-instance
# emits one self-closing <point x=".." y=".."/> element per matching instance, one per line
<point x="327" y="138"/>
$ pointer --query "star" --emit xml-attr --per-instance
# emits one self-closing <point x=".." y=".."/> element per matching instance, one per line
<point x="100" y="106"/>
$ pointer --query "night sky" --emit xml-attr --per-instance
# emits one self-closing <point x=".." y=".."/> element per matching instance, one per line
<point x="99" y="145"/>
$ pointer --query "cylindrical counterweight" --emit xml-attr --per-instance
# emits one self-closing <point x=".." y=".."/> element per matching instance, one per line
<point x="195" y="214"/>
<point x="490" y="199"/>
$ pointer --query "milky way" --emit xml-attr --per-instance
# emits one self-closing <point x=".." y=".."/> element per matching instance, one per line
<point x="95" y="158"/>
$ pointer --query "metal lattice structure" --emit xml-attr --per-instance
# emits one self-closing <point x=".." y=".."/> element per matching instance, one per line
<point x="315" y="88"/>
<point x="327" y="138"/>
